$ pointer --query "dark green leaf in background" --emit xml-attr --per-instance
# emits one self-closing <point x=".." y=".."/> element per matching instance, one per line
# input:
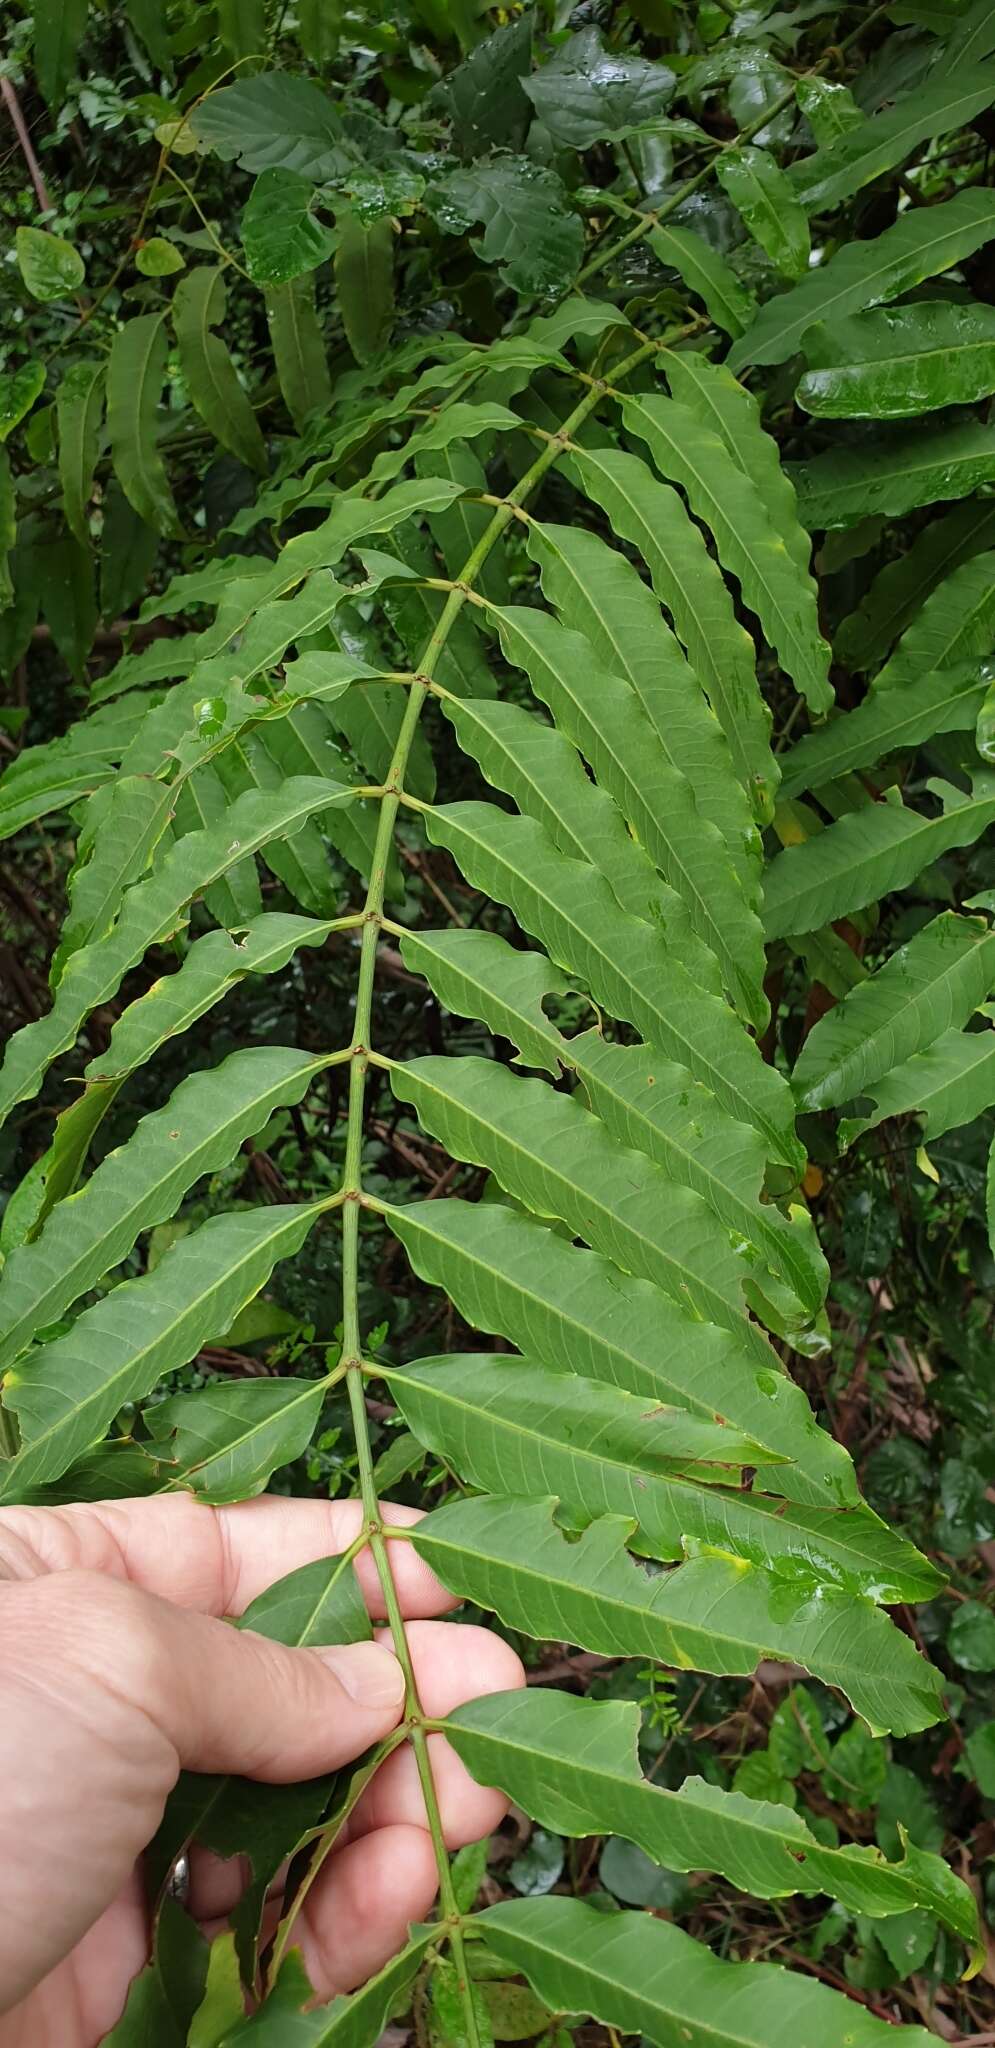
<point x="364" y="277"/>
<point x="198" y="308"/>
<point x="59" y="26"/>
<point x="135" y="375"/>
<point x="18" y="392"/>
<point x="586" y="92"/>
<point x="275" y="120"/>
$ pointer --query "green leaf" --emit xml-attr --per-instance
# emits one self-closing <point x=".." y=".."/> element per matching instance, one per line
<point x="298" y="348"/>
<point x="599" y="713"/>
<point x="526" y="1409"/>
<point x="122" y="827"/>
<point x="142" y="1183"/>
<point x="148" y="19"/>
<point x="749" y="543"/>
<point x="79" y="405"/>
<point x="50" y="266"/>
<point x="69" y="600"/>
<point x="901" y="587"/>
<point x="955" y="624"/>
<point x="198" y="307"/>
<point x="922" y="243"/>
<point x="223" y="2004"/>
<point x="647" y="1102"/>
<point x="536" y="766"/>
<point x="948" y="700"/>
<point x="280" y="235"/>
<point x="128" y="550"/>
<point x="706" y="274"/>
<point x="354" y="2022"/>
<point x="645" y="1977"/>
<point x="226" y="1442"/>
<point x="18" y="391"/>
<point x="728" y="410"/>
<point x="510" y="1276"/>
<point x="980" y="1748"/>
<point x="165" y="1995"/>
<point x="714" y="1613"/>
<point x="242" y="27"/>
<point x="135" y="376"/>
<point x="624" y="961"/>
<point x="857" y="1768"/>
<point x="548" y="1152"/>
<point x="158" y="258"/>
<point x="301" y="862"/>
<point x="899" y="361"/>
<point x="865" y="856"/>
<point x="66" y="1393"/>
<point x="211" y="967"/>
<point x="888" y="137"/>
<point x="797" y="1741"/>
<point x="51" y="776"/>
<point x="318" y="1603"/>
<point x="8" y="528"/>
<point x="461" y="421"/>
<point x="275" y="121"/>
<point x="971" y="1637"/>
<point x="830" y="110"/>
<point x="364" y="278"/>
<point x="949" y="1084"/>
<point x="523" y="208"/>
<point x="485" y="96"/>
<point x="573" y="1764"/>
<point x="59" y="27"/>
<point x="511" y="1425"/>
<point x="585" y="93"/>
<point x="604" y="595"/>
<point x="762" y="195"/>
<point x="152" y="911"/>
<point x="971" y="35"/>
<point x="931" y="984"/>
<point x="907" y="467"/>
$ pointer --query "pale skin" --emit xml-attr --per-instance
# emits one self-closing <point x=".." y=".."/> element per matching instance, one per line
<point x="117" y="1670"/>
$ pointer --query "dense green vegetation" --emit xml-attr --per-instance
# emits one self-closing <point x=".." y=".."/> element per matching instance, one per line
<point x="497" y="614"/>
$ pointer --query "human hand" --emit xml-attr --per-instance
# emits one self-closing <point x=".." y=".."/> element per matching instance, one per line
<point x="116" y="1672"/>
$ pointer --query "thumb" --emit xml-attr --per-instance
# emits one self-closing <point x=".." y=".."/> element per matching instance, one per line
<point x="105" y="1694"/>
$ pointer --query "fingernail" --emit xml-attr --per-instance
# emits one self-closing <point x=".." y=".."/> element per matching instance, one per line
<point x="370" y="1674"/>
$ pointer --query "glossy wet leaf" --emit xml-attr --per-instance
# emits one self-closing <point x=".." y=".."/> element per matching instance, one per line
<point x="886" y="138"/>
<point x="280" y="235"/>
<point x="18" y="391"/>
<point x="920" y="245"/>
<point x="899" y="361"/>
<point x="528" y="228"/>
<point x="770" y="209"/>
<point x="586" y="92"/>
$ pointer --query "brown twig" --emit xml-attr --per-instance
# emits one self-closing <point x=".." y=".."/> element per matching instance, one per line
<point x="13" y="106"/>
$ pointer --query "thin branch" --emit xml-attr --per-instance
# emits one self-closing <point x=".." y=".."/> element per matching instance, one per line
<point x="13" y="106"/>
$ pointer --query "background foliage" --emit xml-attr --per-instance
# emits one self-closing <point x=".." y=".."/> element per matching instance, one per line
<point x="294" y="298"/>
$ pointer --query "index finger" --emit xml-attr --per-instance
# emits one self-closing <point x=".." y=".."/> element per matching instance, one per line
<point x="213" y="1559"/>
